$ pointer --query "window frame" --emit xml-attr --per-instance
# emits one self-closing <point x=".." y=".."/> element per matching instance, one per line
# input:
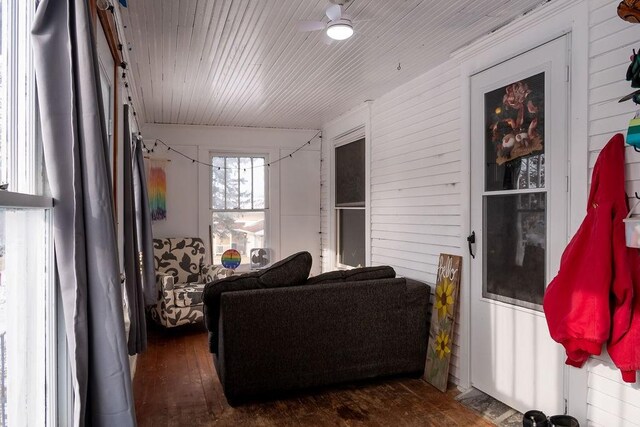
<point x="28" y="191"/>
<point x="354" y="136"/>
<point x="265" y="210"/>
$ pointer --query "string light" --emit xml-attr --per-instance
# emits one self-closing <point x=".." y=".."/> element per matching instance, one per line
<point x="211" y="165"/>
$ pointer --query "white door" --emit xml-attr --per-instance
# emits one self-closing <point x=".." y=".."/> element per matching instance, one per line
<point x="519" y="216"/>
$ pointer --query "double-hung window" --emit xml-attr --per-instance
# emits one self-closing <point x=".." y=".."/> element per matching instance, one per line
<point x="28" y="324"/>
<point x="238" y="204"/>
<point x="350" y="204"/>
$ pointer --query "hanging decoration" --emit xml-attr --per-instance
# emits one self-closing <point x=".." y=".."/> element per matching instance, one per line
<point x="633" y="76"/>
<point x="629" y="10"/>
<point x="157" y="183"/>
<point x="632" y="227"/>
<point x="516" y="118"/>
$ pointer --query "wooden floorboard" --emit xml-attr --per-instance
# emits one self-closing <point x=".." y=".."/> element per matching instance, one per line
<point x="176" y="385"/>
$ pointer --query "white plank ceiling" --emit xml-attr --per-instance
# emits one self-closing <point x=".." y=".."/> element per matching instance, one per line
<point x="244" y="63"/>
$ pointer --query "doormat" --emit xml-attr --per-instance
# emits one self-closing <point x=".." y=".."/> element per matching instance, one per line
<point x="491" y="409"/>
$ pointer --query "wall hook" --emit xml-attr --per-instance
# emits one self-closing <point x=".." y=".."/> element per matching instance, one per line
<point x="636" y="149"/>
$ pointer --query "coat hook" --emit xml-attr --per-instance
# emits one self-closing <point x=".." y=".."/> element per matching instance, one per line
<point x="636" y="148"/>
<point x="637" y="195"/>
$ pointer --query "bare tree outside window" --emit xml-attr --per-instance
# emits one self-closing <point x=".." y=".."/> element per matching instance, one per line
<point x="238" y="192"/>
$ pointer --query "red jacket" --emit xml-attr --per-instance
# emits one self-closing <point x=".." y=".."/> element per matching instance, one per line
<point x="590" y="301"/>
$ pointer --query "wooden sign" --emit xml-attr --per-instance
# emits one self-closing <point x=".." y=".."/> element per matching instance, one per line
<point x="443" y="314"/>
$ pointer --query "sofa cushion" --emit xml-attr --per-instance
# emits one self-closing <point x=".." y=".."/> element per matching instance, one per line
<point x="291" y="271"/>
<point x="328" y="277"/>
<point x="354" y="275"/>
<point x="369" y="273"/>
<point x="188" y="294"/>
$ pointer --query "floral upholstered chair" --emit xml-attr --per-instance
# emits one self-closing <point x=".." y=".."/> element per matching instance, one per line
<point x="180" y="278"/>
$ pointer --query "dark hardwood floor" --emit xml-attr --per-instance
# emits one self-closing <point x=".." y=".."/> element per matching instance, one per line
<point x="176" y="385"/>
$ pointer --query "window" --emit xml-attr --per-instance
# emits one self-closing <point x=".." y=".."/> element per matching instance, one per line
<point x="350" y="203"/>
<point x="238" y="204"/>
<point x="28" y="325"/>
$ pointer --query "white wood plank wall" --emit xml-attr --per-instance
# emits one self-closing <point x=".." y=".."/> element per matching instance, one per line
<point x="611" y="40"/>
<point x="416" y="172"/>
<point x="415" y="177"/>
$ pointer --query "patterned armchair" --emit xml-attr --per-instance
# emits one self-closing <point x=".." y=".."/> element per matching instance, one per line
<point x="180" y="278"/>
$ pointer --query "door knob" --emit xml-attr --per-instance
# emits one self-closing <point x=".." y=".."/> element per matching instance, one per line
<point x="471" y="239"/>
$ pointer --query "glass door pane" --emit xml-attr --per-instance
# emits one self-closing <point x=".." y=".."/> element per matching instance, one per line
<point x="515" y="248"/>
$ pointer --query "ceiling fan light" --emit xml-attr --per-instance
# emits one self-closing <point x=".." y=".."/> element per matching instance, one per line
<point x="340" y="30"/>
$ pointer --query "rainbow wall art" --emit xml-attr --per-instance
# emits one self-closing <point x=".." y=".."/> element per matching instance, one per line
<point x="157" y="188"/>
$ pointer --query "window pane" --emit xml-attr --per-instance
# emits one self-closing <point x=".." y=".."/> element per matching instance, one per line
<point x="245" y="183"/>
<point x="232" y="184"/>
<point x="241" y="231"/>
<point x="259" y="173"/>
<point x="350" y="174"/>
<point x="3" y="97"/>
<point x="217" y="183"/>
<point x="515" y="248"/>
<point x="351" y="228"/>
<point x="23" y="292"/>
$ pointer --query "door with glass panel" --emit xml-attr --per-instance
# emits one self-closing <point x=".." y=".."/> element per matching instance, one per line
<point x="519" y="217"/>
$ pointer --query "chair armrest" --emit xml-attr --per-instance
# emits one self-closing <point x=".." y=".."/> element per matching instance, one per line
<point x="164" y="282"/>
<point x="210" y="272"/>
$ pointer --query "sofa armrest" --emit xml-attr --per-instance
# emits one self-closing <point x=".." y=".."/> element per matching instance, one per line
<point x="211" y="272"/>
<point x="164" y="282"/>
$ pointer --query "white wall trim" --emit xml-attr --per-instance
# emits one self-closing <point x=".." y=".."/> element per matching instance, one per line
<point x="534" y="29"/>
<point x="273" y="197"/>
<point x="532" y="20"/>
<point x="335" y="132"/>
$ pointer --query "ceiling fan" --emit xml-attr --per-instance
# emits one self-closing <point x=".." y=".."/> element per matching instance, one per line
<point x="339" y="27"/>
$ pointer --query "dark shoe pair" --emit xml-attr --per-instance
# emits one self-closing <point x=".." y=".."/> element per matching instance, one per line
<point x="539" y="419"/>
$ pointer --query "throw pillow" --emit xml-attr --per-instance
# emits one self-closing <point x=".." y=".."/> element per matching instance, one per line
<point x="291" y="271"/>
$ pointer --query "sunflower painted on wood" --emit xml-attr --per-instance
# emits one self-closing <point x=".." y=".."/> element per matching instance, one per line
<point x="444" y="298"/>
<point x="443" y="347"/>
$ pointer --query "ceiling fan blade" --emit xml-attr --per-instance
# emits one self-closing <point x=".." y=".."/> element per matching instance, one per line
<point x="334" y="12"/>
<point x="311" y="26"/>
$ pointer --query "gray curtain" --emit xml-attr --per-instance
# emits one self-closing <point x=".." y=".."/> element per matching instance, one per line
<point x="138" y="245"/>
<point x="144" y="228"/>
<point x="76" y="155"/>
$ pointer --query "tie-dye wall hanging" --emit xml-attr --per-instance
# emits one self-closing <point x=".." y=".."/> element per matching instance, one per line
<point x="157" y="187"/>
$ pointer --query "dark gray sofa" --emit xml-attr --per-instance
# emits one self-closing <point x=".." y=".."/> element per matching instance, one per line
<point x="275" y="339"/>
